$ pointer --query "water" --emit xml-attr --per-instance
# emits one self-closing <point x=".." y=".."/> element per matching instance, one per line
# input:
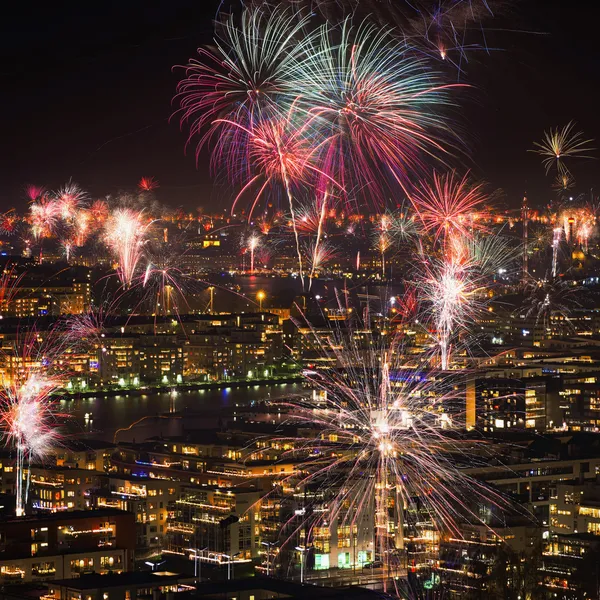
<point x="281" y="291"/>
<point x="163" y="413"/>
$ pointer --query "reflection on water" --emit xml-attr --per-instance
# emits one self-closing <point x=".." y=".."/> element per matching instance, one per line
<point x="101" y="417"/>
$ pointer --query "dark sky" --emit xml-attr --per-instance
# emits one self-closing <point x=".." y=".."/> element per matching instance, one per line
<point x="86" y="91"/>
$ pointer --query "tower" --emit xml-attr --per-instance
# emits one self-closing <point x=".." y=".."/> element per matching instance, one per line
<point x="525" y="219"/>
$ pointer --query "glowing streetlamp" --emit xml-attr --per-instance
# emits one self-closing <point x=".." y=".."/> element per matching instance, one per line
<point x="260" y="297"/>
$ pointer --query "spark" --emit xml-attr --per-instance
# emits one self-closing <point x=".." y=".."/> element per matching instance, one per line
<point x="125" y="234"/>
<point x="560" y="144"/>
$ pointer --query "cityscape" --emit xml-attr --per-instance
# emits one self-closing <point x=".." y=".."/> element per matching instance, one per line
<point x="350" y="366"/>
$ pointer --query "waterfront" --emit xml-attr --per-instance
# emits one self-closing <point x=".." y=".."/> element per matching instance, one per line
<point x="198" y="408"/>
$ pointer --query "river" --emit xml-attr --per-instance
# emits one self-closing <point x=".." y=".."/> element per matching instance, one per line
<point x="163" y="413"/>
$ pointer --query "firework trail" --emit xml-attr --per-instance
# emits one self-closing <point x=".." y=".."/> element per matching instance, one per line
<point x="318" y="255"/>
<point x="560" y="144"/>
<point x="252" y="243"/>
<point x="556" y="237"/>
<point x="9" y="286"/>
<point x="125" y="234"/>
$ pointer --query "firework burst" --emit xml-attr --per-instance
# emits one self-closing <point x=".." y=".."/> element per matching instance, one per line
<point x="448" y="207"/>
<point x="378" y="446"/>
<point x="244" y="78"/>
<point x="376" y="105"/>
<point x="27" y="416"/>
<point x="125" y="234"/>
<point x="147" y="184"/>
<point x="561" y="144"/>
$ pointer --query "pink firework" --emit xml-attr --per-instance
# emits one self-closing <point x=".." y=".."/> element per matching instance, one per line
<point x="34" y="192"/>
<point x="26" y="415"/>
<point x="282" y="155"/>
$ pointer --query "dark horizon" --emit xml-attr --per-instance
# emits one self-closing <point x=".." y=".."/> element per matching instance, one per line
<point x="88" y="96"/>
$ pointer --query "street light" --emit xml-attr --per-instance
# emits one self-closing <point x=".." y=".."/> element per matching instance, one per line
<point x="269" y="545"/>
<point x="260" y="296"/>
<point x="229" y="564"/>
<point x="198" y="564"/>
<point x="302" y="550"/>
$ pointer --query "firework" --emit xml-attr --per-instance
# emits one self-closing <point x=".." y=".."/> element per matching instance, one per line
<point x="578" y="225"/>
<point x="69" y="200"/>
<point x="378" y="442"/>
<point x="281" y="155"/>
<point x="244" y="78"/>
<point x="147" y="184"/>
<point x="376" y="106"/>
<point x="163" y="282"/>
<point x="125" y="234"/>
<point x="560" y="144"/>
<point x="556" y="237"/>
<point x="44" y="215"/>
<point x="550" y="298"/>
<point x="564" y="181"/>
<point x="99" y="212"/>
<point x="253" y="243"/>
<point x="448" y="207"/>
<point x="8" y="222"/>
<point x="455" y="287"/>
<point x="27" y="418"/>
<point x="81" y="227"/>
<point x="383" y="240"/>
<point x="317" y="256"/>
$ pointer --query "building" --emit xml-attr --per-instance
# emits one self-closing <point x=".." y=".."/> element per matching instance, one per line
<point x="123" y="586"/>
<point x="65" y="544"/>
<point x="148" y="500"/>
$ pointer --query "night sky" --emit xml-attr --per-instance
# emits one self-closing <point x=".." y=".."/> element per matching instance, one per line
<point x="87" y="88"/>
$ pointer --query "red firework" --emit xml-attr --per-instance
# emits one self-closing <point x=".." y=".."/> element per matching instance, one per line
<point x="34" y="192"/>
<point x="147" y="184"/>
<point x="448" y="208"/>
